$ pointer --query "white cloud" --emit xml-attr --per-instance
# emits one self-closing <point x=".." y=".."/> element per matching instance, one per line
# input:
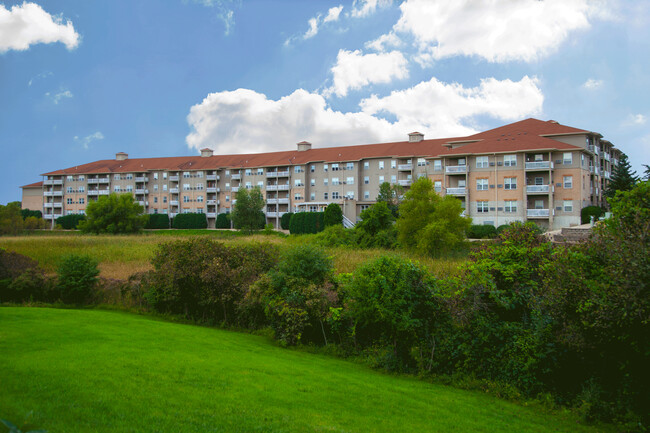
<point x="635" y="119"/>
<point x="592" y="84"/>
<point x="380" y="44"/>
<point x="354" y="70"/>
<point x="244" y="121"/>
<point x="333" y="14"/>
<point x="29" y="24"/>
<point x="363" y="8"/>
<point x="496" y="30"/>
<point x="61" y="94"/>
<point x="313" y="28"/>
<point x="85" y="141"/>
<point x="39" y="76"/>
<point x="446" y="108"/>
<point x="224" y="10"/>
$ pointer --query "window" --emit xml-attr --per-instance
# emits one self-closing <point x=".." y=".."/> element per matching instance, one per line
<point x="129" y="176"/>
<point x="82" y="177"/>
<point x="461" y="183"/>
<point x="297" y="182"/>
<point x="335" y="181"/>
<point x="227" y="172"/>
<point x="335" y="195"/>
<point x="297" y="196"/>
<point x="249" y="185"/>
<point x="313" y="208"/>
<point x="324" y="196"/>
<point x="366" y="165"/>
<point x="510" y="160"/>
<point x="539" y="181"/>
<point x="350" y="195"/>
<point x="186" y="187"/>
<point x="116" y="188"/>
<point x="568" y="181"/>
<point x="199" y="174"/>
<point x="510" y="206"/>
<point x="186" y="175"/>
<point x="461" y="161"/>
<point x="260" y="171"/>
<point x="421" y="162"/>
<point x="366" y="180"/>
<point x="437" y="164"/>
<point x="199" y="186"/>
<point x="129" y="188"/>
<point x="539" y="157"/>
<point x="155" y="187"/>
<point x="335" y="167"/>
<point x="325" y="181"/>
<point x="393" y="179"/>
<point x="70" y="178"/>
<point x="165" y="187"/>
<point x="199" y="198"/>
<point x="82" y="200"/>
<point x="482" y="207"/>
<point x="155" y="176"/>
<point x="421" y="175"/>
<point x="568" y="205"/>
<point x="312" y="182"/>
<point x="366" y="195"/>
<point x="364" y="207"/>
<point x="248" y="172"/>
<point x="481" y="184"/>
<point x="393" y="163"/>
<point x="165" y="199"/>
<point x="325" y="168"/>
<point x="260" y="184"/>
<point x="155" y="199"/>
<point x="227" y="185"/>
<point x="567" y="158"/>
<point x="165" y="175"/>
<point x="437" y="186"/>
<point x="349" y="181"/>
<point x="69" y="201"/>
<point x="482" y="162"/>
<point x="349" y="166"/>
<point x="227" y="198"/>
<point x="82" y="189"/>
<point x="381" y="165"/>
<point x="312" y="196"/>
<point x="297" y="169"/>
<point x="381" y="179"/>
<point x="539" y="204"/>
<point x="116" y="177"/>
<point x="186" y="199"/>
<point x="69" y="190"/>
<point x="312" y="168"/>
<point x="510" y="183"/>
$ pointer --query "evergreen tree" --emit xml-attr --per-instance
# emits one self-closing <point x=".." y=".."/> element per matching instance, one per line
<point x="623" y="178"/>
<point x="646" y="173"/>
<point x="333" y="215"/>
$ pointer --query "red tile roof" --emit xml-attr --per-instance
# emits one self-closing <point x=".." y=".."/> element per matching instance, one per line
<point x="524" y="135"/>
<point x="33" y="185"/>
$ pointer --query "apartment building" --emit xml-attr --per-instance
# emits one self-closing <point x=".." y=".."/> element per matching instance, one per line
<point x="529" y="170"/>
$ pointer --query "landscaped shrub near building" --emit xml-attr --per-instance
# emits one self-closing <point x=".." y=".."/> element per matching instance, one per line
<point x="26" y="213"/>
<point x="190" y="221"/>
<point x="158" y="221"/>
<point x="223" y="221"/>
<point x="306" y="222"/>
<point x="70" y="222"/>
<point x="285" y="220"/>
<point x="77" y="276"/>
<point x="476" y="231"/>
<point x="333" y="215"/>
<point x="258" y="222"/>
<point x="587" y="212"/>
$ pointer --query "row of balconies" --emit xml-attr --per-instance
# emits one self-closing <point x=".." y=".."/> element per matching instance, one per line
<point x="277" y="174"/>
<point x="53" y="205"/>
<point x="98" y="192"/>
<point x="53" y="182"/>
<point x="530" y="189"/>
<point x="277" y="201"/>
<point x="533" y="165"/>
<point x="99" y="180"/>
<point x="53" y="194"/>
<point x="278" y="187"/>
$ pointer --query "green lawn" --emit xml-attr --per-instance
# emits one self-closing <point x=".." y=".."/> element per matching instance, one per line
<point x="101" y="371"/>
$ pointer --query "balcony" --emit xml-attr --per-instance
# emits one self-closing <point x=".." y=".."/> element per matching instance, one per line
<point x="456" y="191"/>
<point x="53" y="182"/>
<point x="172" y="214"/>
<point x="142" y="191"/>
<point x="234" y="189"/>
<point x="173" y="190"/>
<point x="142" y="179"/>
<point x="53" y="194"/>
<point x="93" y="192"/>
<point x="538" y="189"/>
<point x="456" y="169"/>
<point x="211" y="214"/>
<point x="607" y="158"/>
<point x="210" y="202"/>
<point x="211" y="177"/>
<point x="405" y="167"/>
<point x="277" y="187"/>
<point x="274" y="214"/>
<point x="54" y="205"/>
<point x="277" y="174"/>
<point x="277" y="201"/>
<point x="235" y="176"/>
<point x="143" y="203"/>
<point x="405" y="182"/>
<point x="211" y="189"/>
<point x="173" y="178"/>
<point x="173" y="202"/>
<point x="103" y="192"/>
<point x="539" y="165"/>
<point x="607" y="175"/>
<point x="538" y="213"/>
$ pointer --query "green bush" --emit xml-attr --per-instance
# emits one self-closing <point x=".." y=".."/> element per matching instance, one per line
<point x="306" y="222"/>
<point x="114" y="213"/>
<point x="285" y="220"/>
<point x="26" y="213"/>
<point x="223" y="221"/>
<point x="158" y="221"/>
<point x="587" y="212"/>
<point x="76" y="277"/>
<point x="190" y="221"/>
<point x="336" y="236"/>
<point x="477" y="231"/>
<point x="376" y="228"/>
<point x="70" y="222"/>
<point x="18" y="275"/>
<point x="333" y="215"/>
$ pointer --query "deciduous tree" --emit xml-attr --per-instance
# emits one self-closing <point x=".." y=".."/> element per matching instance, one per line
<point x="246" y="212"/>
<point x="114" y="213"/>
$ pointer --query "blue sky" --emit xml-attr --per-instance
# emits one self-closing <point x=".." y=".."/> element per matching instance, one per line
<point x="80" y="80"/>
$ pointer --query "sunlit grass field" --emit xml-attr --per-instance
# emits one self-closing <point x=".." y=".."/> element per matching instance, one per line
<point x="121" y="256"/>
<point x="100" y="371"/>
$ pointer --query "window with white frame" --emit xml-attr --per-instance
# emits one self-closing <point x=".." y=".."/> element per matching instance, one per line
<point x="116" y="188"/>
<point x="227" y="198"/>
<point x="381" y="179"/>
<point x="364" y="207"/>
<point x="82" y="200"/>
<point x="568" y="181"/>
<point x="69" y="178"/>
<point x="325" y="167"/>
<point x="129" y="188"/>
<point x="260" y="184"/>
<point x="165" y="175"/>
<point x="393" y="163"/>
<point x="249" y="185"/>
<point x="461" y="183"/>
<point x="366" y="165"/>
<point x="155" y="176"/>
<point x="366" y="195"/>
<point x="349" y="181"/>
<point x="380" y="164"/>
<point x="437" y="164"/>
<point x="335" y="195"/>
<point x="482" y="207"/>
<point x="69" y="190"/>
<point x="366" y="180"/>
<point x="312" y="182"/>
<point x="437" y="186"/>
<point x="350" y="195"/>
<point x="199" y="174"/>
<point x="164" y="199"/>
<point x="510" y="206"/>
<point x="227" y="185"/>
<point x="335" y="181"/>
<point x="155" y="187"/>
<point x="567" y="158"/>
<point x="116" y="177"/>
<point x="539" y="157"/>
<point x="539" y="204"/>
<point x="164" y="187"/>
<point x="297" y="169"/>
<point x="186" y="199"/>
<point x="297" y="196"/>
<point x="297" y="182"/>
<point x="69" y="201"/>
<point x="227" y="172"/>
<point x="421" y="162"/>
<point x="155" y="199"/>
<point x="312" y="196"/>
<point x="510" y="183"/>
<point x="335" y="167"/>
<point x="199" y="198"/>
<point x="82" y="189"/>
<point x="248" y="172"/>
<point x="482" y="162"/>
<point x="510" y="160"/>
<point x="312" y="168"/>
<point x="393" y="179"/>
<point x="539" y="181"/>
<point x="325" y="196"/>
<point x="461" y="161"/>
<point x="349" y="166"/>
<point x="568" y="205"/>
<point x="186" y="187"/>
<point x="481" y="184"/>
<point x="325" y="181"/>
<point x="260" y="171"/>
<point x="199" y="186"/>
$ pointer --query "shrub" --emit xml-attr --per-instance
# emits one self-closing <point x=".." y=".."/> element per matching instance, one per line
<point x="306" y="222"/>
<point x="336" y="236"/>
<point x="77" y="276"/>
<point x="26" y="213"/>
<point x="15" y="271"/>
<point x="376" y="228"/>
<point x="333" y="215"/>
<point x="70" y="222"/>
<point x="587" y="212"/>
<point x="223" y="221"/>
<point x="158" y="221"/>
<point x="476" y="231"/>
<point x="114" y="213"/>
<point x="285" y="220"/>
<point x="34" y="223"/>
<point x="11" y="220"/>
<point x="190" y="221"/>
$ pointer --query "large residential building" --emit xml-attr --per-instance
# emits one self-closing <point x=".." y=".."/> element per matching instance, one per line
<point x="529" y="170"/>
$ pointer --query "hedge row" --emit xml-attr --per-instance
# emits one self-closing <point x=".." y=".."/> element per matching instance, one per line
<point x="223" y="221"/>
<point x="190" y="221"/>
<point x="158" y="221"/>
<point x="70" y="222"/>
<point x="306" y="222"/>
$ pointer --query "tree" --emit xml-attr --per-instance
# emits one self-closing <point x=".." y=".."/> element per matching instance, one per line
<point x="391" y="195"/>
<point x="333" y="215"/>
<point x="646" y="173"/>
<point x="246" y="212"/>
<point x="114" y="213"/>
<point x="429" y="223"/>
<point x="623" y="178"/>
<point x="11" y="219"/>
<point x="77" y="275"/>
<point x="376" y="227"/>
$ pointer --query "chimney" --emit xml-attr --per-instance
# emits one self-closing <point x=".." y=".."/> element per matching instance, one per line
<point x="414" y="137"/>
<point x="121" y="156"/>
<point x="304" y="145"/>
<point x="205" y="153"/>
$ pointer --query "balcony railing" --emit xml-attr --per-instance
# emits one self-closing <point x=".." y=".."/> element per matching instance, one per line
<point x="456" y="191"/>
<point x="211" y="189"/>
<point x="456" y="169"/>
<point x="211" y="214"/>
<point x="404" y="182"/>
<point x="277" y="201"/>
<point x="104" y="192"/>
<point x="234" y="189"/>
<point x="538" y="189"/>
<point x="405" y="167"/>
<point x="53" y="182"/>
<point x="277" y="187"/>
<point x="173" y="178"/>
<point x="210" y="202"/>
<point x="173" y="202"/>
<point x="539" y="165"/>
<point x="274" y="214"/>
<point x="142" y="179"/>
<point x="607" y="175"/>
<point x="173" y="190"/>
<point x="53" y="194"/>
<point x="55" y="205"/>
<point x="98" y="180"/>
<point x="211" y="177"/>
<point x="235" y="176"/>
<point x="143" y="203"/>
<point x="277" y="174"/>
<point x="538" y="213"/>
<point x="172" y="214"/>
<point x="142" y="191"/>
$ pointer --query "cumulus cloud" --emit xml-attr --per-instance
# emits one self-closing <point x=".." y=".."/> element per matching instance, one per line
<point x="496" y="30"/>
<point x="363" y="8"/>
<point x="384" y="41"/>
<point x="314" y="24"/>
<point x="313" y="28"/>
<point x="635" y="119"/>
<point x="333" y="14"/>
<point x="29" y="24"/>
<point x="58" y="96"/>
<point x="592" y="84"/>
<point x="244" y="121"/>
<point x="85" y="141"/>
<point x="354" y="70"/>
